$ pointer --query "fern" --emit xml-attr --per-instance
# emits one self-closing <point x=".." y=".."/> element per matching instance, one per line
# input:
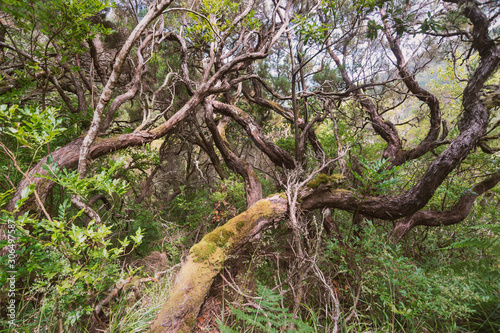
<point x="267" y="316"/>
<point x="486" y="237"/>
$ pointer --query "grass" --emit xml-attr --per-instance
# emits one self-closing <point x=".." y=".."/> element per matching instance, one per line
<point x="128" y="317"/>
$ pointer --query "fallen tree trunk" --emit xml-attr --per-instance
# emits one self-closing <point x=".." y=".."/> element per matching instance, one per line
<point x="206" y="259"/>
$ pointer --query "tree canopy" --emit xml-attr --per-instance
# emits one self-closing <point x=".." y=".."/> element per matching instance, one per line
<point x="297" y="165"/>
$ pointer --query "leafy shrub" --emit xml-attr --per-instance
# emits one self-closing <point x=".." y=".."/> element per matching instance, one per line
<point x="63" y="264"/>
<point x="377" y="177"/>
<point x="398" y="292"/>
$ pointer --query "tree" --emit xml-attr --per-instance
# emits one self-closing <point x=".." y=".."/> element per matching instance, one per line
<point x="346" y="79"/>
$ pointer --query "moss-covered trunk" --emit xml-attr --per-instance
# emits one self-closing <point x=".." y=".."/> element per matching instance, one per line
<point x="206" y="260"/>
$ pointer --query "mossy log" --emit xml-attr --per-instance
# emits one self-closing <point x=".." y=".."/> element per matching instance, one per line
<point x="206" y="260"/>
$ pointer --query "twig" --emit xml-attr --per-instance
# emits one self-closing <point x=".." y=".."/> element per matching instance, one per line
<point x="237" y="289"/>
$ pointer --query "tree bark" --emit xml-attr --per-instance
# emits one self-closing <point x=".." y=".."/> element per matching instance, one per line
<point x="132" y="90"/>
<point x="277" y="155"/>
<point x="456" y="214"/>
<point x="154" y="11"/>
<point x="253" y="187"/>
<point x="423" y="95"/>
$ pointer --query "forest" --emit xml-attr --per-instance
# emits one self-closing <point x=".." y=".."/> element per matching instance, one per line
<point x="249" y="166"/>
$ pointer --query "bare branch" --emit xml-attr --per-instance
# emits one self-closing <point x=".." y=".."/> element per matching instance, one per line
<point x="154" y="11"/>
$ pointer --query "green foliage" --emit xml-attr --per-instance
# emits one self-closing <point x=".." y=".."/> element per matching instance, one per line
<point x="402" y="20"/>
<point x="216" y="17"/>
<point x="189" y="207"/>
<point x="62" y="266"/>
<point x="267" y="316"/>
<point x="447" y="86"/>
<point x="100" y="182"/>
<point x="67" y="266"/>
<point x="152" y="230"/>
<point x="376" y="177"/>
<point x="137" y="307"/>
<point x="449" y="193"/>
<point x="287" y="144"/>
<point x="310" y="29"/>
<point x="204" y="209"/>
<point x="326" y="135"/>
<point x="485" y="238"/>
<point x="400" y="293"/>
<point x="31" y="126"/>
<point x="231" y="190"/>
<point x="372" y="29"/>
<point x="71" y="27"/>
<point x="329" y="79"/>
<point x="131" y="319"/>
<point x="430" y="23"/>
<point x="25" y="130"/>
<point x="218" y="7"/>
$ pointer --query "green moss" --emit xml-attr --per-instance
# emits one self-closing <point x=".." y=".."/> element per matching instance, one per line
<point x="215" y="245"/>
<point x="219" y="237"/>
<point x="325" y="179"/>
<point x="282" y="195"/>
<point x="202" y="251"/>
<point x="341" y="190"/>
<point x="208" y="245"/>
<point x="240" y="225"/>
<point x="190" y="320"/>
